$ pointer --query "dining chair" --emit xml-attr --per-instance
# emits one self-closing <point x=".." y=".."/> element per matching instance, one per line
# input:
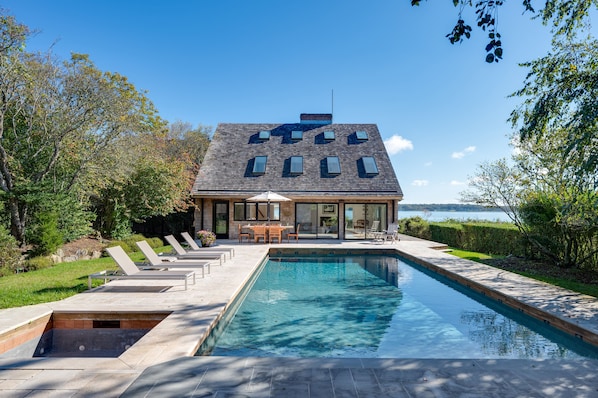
<point x="259" y="232"/>
<point x="294" y="234"/>
<point x="242" y="235"/>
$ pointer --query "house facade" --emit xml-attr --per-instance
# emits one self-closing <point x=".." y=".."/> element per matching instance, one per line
<point x="338" y="177"/>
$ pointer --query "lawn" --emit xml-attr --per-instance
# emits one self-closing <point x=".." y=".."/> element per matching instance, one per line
<point x="55" y="283"/>
<point x="581" y="281"/>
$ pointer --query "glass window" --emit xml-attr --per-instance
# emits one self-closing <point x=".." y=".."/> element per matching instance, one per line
<point x="239" y="211"/>
<point x="369" y="165"/>
<point x="329" y="135"/>
<point x="264" y="135"/>
<point x="251" y="211"/>
<point x="296" y="135"/>
<point x="259" y="164"/>
<point x="333" y="164"/>
<point x="361" y="135"/>
<point x="363" y="219"/>
<point x="296" y="164"/>
<point x="317" y="220"/>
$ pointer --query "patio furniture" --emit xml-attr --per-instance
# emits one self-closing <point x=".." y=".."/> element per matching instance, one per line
<point x="181" y="253"/>
<point x="156" y="260"/>
<point x="242" y="234"/>
<point x="259" y="231"/>
<point x="392" y="233"/>
<point x="194" y="247"/>
<point x="130" y="270"/>
<point x="275" y="232"/>
<point x="294" y="234"/>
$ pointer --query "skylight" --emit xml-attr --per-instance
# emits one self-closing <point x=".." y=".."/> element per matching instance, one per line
<point x="329" y="135"/>
<point x="333" y="165"/>
<point x="264" y="135"/>
<point x="361" y="135"/>
<point x="296" y="135"/>
<point x="259" y="164"/>
<point x="296" y="164"/>
<point x="369" y="165"/>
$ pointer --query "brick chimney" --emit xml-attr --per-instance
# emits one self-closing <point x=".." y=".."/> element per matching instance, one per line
<point x="316" y="118"/>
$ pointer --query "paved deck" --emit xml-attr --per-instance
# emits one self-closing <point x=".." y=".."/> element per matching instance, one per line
<point x="161" y="363"/>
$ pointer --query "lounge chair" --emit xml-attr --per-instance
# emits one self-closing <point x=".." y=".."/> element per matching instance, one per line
<point x="392" y="233"/>
<point x="170" y="261"/>
<point x="181" y="253"/>
<point x="131" y="271"/>
<point x="194" y="247"/>
<point x="294" y="234"/>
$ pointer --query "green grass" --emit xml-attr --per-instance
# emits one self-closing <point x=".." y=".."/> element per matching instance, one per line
<point x="470" y="255"/>
<point x="584" y="288"/>
<point x="55" y="283"/>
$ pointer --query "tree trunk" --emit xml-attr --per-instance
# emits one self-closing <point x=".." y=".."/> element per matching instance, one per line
<point x="17" y="220"/>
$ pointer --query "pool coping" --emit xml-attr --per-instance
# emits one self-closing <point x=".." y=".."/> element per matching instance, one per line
<point x="177" y="336"/>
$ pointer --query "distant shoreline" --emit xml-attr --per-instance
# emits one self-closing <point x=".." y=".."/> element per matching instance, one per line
<point x="445" y="207"/>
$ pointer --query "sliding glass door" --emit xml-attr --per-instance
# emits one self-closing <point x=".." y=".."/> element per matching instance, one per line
<point x="318" y="220"/>
<point x="362" y="219"/>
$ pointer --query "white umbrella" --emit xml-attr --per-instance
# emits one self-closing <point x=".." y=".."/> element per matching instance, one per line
<point x="268" y="197"/>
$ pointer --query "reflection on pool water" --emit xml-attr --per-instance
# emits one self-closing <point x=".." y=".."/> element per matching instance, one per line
<point x="369" y="306"/>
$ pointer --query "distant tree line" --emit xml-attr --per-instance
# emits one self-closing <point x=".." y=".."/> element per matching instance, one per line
<point x="445" y="207"/>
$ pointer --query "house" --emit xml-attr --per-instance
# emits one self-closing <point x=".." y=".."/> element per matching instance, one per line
<point x="338" y="176"/>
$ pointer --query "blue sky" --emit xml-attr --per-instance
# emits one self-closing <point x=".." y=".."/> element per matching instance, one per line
<point x="439" y="107"/>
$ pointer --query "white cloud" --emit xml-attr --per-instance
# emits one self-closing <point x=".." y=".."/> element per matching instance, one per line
<point x="396" y="144"/>
<point x="428" y="164"/>
<point x="420" y="183"/>
<point x="460" y="155"/>
<point x="457" y="183"/>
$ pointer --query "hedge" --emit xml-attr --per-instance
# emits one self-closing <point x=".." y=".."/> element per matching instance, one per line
<point x="491" y="238"/>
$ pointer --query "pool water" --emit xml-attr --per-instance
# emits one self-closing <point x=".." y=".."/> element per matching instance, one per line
<point x="369" y="306"/>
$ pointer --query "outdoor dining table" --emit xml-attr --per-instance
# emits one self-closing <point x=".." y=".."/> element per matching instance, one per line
<point x="268" y="228"/>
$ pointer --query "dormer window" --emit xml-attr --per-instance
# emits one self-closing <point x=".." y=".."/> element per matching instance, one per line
<point x="296" y="165"/>
<point x="264" y="135"/>
<point x="296" y="135"/>
<point x="361" y="135"/>
<point x="369" y="165"/>
<point x="333" y="165"/>
<point x="259" y="165"/>
<point x="329" y="135"/>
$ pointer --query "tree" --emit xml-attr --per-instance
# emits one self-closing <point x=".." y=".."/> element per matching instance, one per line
<point x="561" y="95"/>
<point x="552" y="204"/>
<point x="565" y="16"/>
<point x="58" y="120"/>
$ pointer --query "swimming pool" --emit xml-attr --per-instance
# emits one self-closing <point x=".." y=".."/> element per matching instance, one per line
<point x="373" y="306"/>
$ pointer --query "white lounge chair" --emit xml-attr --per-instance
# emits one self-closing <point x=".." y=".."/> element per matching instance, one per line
<point x="181" y="253"/>
<point x="193" y="246"/>
<point x="392" y="233"/>
<point x="131" y="271"/>
<point x="170" y="261"/>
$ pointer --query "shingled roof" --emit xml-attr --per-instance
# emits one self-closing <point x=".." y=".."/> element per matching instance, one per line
<point x="227" y="169"/>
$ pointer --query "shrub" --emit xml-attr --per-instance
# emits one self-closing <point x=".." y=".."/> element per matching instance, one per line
<point x="125" y="245"/>
<point x="450" y="233"/>
<point x="45" y="235"/>
<point x="415" y="226"/>
<point x="207" y="238"/>
<point x="131" y="239"/>
<point x="39" y="262"/>
<point x="155" y="242"/>
<point x="10" y="254"/>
